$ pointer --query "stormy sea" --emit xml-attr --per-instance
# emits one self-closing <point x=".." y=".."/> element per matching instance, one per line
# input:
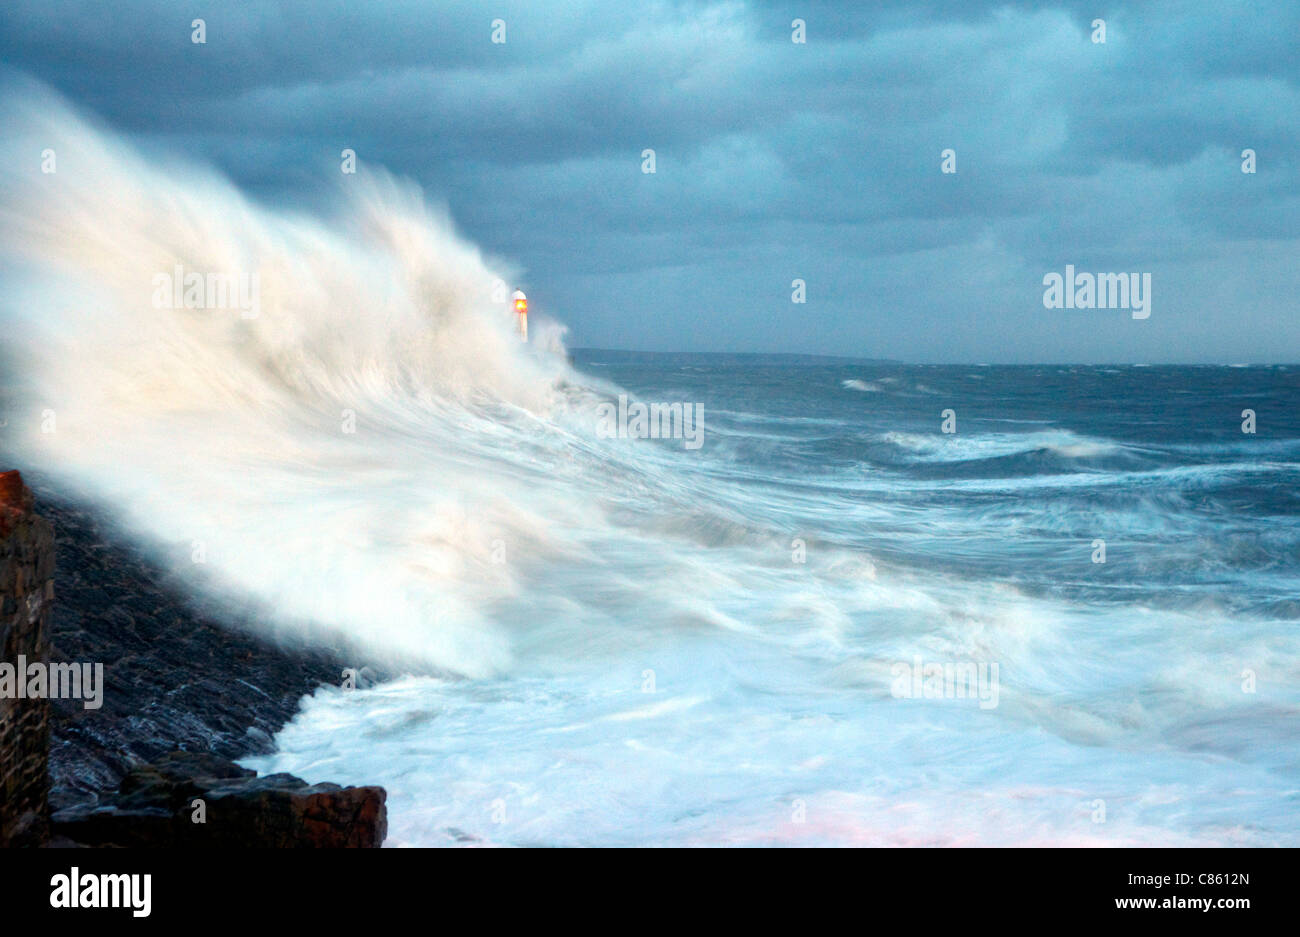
<point x="863" y="604"/>
<point x="716" y="647"/>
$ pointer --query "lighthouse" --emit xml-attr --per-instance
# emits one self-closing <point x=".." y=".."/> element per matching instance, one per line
<point x="521" y="313"/>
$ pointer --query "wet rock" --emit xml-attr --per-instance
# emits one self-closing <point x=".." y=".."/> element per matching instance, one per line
<point x="175" y="677"/>
<point x="200" y="800"/>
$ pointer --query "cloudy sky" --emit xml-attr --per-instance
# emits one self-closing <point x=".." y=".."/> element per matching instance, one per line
<point x="774" y="160"/>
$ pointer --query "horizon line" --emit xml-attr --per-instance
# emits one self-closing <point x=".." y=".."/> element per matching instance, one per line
<point x="864" y="359"/>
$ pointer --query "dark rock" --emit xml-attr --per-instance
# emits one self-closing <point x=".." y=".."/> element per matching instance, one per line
<point x="174" y="678"/>
<point x="158" y="805"/>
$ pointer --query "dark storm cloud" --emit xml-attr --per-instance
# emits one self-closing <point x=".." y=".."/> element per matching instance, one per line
<point x="775" y="160"/>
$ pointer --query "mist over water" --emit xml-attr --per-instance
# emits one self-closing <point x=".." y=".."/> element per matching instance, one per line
<point x="614" y="641"/>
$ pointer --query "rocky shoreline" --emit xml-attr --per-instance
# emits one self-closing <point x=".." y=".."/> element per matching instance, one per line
<point x="184" y="696"/>
<point x="192" y="800"/>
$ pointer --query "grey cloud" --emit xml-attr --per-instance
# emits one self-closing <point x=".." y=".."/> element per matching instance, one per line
<point x="774" y="160"/>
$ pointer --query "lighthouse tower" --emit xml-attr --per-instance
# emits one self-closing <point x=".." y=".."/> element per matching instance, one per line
<point x="521" y="313"/>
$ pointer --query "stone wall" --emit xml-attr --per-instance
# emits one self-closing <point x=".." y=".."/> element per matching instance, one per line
<point x="26" y="588"/>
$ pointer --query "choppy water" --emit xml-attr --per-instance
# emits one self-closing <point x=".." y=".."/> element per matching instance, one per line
<point x="1123" y="713"/>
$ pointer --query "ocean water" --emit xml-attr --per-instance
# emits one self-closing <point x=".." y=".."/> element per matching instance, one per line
<point x="614" y="641"/>
<point x="697" y="684"/>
